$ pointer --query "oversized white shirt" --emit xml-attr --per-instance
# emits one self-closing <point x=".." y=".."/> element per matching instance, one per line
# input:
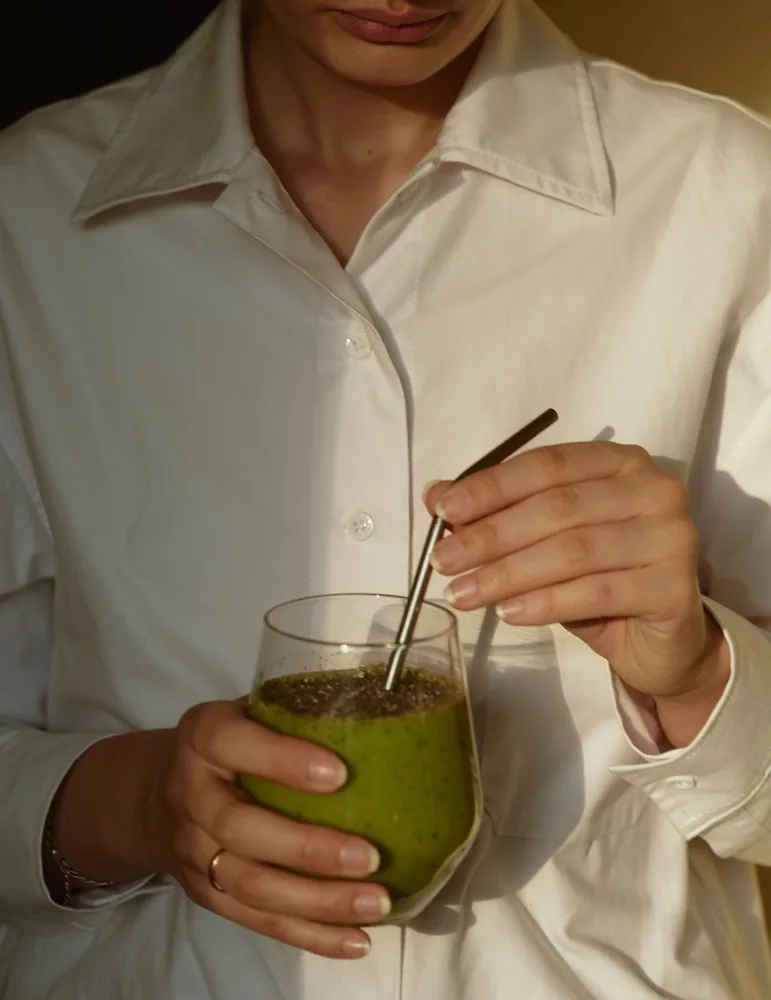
<point x="202" y="414"/>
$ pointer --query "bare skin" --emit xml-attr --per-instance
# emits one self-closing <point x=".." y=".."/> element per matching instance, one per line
<point x="343" y="125"/>
<point x="167" y="801"/>
<point x="593" y="536"/>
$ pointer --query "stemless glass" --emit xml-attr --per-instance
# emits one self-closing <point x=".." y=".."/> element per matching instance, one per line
<point x="413" y="786"/>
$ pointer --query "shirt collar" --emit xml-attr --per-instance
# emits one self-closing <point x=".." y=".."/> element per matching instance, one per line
<point x="189" y="126"/>
<point x="527" y="115"/>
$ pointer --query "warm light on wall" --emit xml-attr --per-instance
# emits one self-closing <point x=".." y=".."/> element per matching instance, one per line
<point x="718" y="45"/>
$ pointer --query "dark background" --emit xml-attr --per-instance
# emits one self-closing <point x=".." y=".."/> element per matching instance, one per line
<point x="54" y="49"/>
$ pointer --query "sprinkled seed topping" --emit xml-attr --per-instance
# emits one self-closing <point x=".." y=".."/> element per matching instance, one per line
<point x="359" y="693"/>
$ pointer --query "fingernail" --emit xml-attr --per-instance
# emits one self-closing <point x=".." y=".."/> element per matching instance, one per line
<point x="510" y="610"/>
<point x="372" y="906"/>
<point x="454" y="506"/>
<point x="448" y="555"/>
<point x="461" y="591"/>
<point x="359" y="858"/>
<point x="327" y="776"/>
<point x="355" y="947"/>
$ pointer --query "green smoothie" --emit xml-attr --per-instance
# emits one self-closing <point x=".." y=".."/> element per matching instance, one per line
<point x="410" y="790"/>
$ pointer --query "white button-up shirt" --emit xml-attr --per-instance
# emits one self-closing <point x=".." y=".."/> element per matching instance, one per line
<point x="202" y="414"/>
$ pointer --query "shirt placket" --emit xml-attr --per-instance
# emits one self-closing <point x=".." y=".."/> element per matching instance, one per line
<point x="361" y="506"/>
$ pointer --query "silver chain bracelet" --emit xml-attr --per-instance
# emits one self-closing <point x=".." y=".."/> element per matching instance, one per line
<point x="69" y="875"/>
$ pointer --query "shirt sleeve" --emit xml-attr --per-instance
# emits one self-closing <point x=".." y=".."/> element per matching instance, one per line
<point x="719" y="787"/>
<point x="33" y="762"/>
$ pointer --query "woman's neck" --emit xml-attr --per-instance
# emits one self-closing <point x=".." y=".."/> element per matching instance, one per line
<point x="300" y="108"/>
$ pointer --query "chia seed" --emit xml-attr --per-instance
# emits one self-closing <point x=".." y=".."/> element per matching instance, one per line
<point x="359" y="693"/>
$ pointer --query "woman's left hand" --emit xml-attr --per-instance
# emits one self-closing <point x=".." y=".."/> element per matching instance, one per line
<point x="595" y="537"/>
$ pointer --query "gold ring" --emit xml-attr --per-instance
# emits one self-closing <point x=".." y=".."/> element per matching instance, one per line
<point x="212" y="870"/>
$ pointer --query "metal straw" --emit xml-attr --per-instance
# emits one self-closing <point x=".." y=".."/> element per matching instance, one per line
<point x="435" y="532"/>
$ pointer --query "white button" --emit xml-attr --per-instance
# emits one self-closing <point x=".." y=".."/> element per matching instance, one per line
<point x="360" y="526"/>
<point x="681" y="782"/>
<point x="358" y="346"/>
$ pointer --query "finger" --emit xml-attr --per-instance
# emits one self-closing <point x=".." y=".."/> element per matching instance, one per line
<point x="576" y="553"/>
<point x="222" y="735"/>
<point x="256" y="834"/>
<point x="325" y="940"/>
<point x="658" y="592"/>
<point x="272" y="890"/>
<point x="196" y="789"/>
<point x="433" y="491"/>
<point x="621" y="498"/>
<point x="535" y="472"/>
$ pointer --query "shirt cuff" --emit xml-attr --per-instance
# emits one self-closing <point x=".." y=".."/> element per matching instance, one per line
<point x="99" y="899"/>
<point x="726" y="765"/>
<point x="32" y="766"/>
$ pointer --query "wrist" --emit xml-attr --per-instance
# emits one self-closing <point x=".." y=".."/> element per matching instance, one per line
<point x="105" y="816"/>
<point x="684" y="714"/>
<point x="62" y="880"/>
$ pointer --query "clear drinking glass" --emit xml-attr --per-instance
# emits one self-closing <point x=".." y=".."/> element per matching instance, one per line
<point x="413" y="788"/>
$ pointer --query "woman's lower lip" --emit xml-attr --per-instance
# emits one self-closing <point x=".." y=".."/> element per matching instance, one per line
<point x="387" y="34"/>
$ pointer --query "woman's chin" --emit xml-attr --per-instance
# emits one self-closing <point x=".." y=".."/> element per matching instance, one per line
<point x="382" y="66"/>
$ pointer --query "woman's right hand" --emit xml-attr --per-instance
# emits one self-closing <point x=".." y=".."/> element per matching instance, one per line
<point x="165" y="801"/>
<point x="201" y="811"/>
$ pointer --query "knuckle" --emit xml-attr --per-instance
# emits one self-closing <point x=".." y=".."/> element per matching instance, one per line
<point x="672" y="494"/>
<point x="564" y="504"/>
<point x="544" y="605"/>
<point x="492" y="579"/>
<point x="681" y="593"/>
<point x="638" y="455"/>
<point x="273" y="925"/>
<point x="209" y="729"/>
<point x="489" y="491"/>
<point x="485" y="538"/>
<point x="634" y="457"/>
<point x="333" y="903"/>
<point x="193" y="722"/>
<point x="578" y="549"/>
<point x="686" y="539"/>
<point x="256" y="886"/>
<point x="603" y="594"/>
<point x="553" y="461"/>
<point x="309" y="849"/>
<point x="228" y="825"/>
<point x="216" y="743"/>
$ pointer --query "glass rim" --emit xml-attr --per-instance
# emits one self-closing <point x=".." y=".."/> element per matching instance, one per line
<point x="450" y="629"/>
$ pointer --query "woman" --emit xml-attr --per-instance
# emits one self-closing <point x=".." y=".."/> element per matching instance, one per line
<point x="251" y="302"/>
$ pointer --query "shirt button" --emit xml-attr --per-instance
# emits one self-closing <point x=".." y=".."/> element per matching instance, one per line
<point x="358" y="346"/>
<point x="681" y="782"/>
<point x="360" y="526"/>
